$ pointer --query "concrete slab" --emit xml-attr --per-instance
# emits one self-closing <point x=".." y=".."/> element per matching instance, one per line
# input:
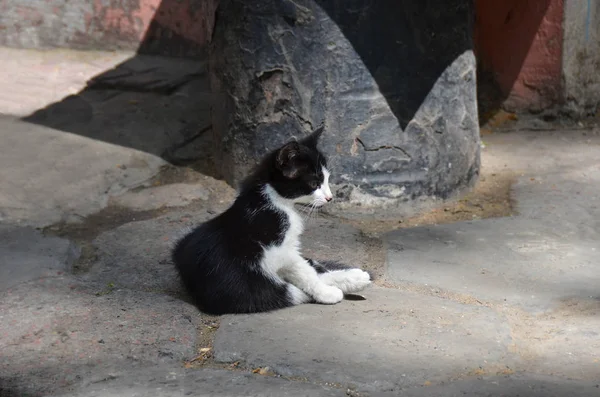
<point x="539" y="268"/>
<point x="568" y="200"/>
<point x="392" y="340"/>
<point x="50" y="176"/>
<point x="34" y="79"/>
<point x="152" y="104"/>
<point x="149" y="73"/>
<point x="148" y="122"/>
<point x="172" y="195"/>
<point x="511" y="261"/>
<point x="26" y="255"/>
<point x="56" y="332"/>
<point x="113" y="115"/>
<point x="160" y="381"/>
<point x="137" y="255"/>
<point x="523" y="385"/>
<point x="542" y="152"/>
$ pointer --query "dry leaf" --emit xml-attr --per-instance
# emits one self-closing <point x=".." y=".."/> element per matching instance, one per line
<point x="262" y="371"/>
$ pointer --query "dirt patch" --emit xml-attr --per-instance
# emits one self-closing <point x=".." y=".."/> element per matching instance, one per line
<point x="490" y="198"/>
<point x="465" y="299"/>
<point x="114" y="216"/>
<point x="327" y="238"/>
<point x="170" y="174"/>
<point x="106" y="219"/>
<point x="206" y="334"/>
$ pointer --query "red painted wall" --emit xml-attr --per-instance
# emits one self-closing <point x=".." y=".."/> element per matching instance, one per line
<point x="520" y="42"/>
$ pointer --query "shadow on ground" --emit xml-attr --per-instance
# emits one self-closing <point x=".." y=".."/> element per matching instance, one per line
<point x="149" y="103"/>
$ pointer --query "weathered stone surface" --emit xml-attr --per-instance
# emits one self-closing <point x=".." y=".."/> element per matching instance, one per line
<point x="392" y="340"/>
<point x="104" y="139"/>
<point x="510" y="261"/>
<point x="540" y="268"/>
<point x="581" y="57"/>
<point x="152" y="104"/>
<point x="566" y="200"/>
<point x="172" y="195"/>
<point x="26" y="255"/>
<point x="160" y="381"/>
<point x="70" y="176"/>
<point x="394" y="85"/>
<point x="56" y="332"/>
<point x="521" y="385"/>
<point x="27" y="87"/>
<point x="137" y="255"/>
<point x="545" y="255"/>
<point x="146" y="73"/>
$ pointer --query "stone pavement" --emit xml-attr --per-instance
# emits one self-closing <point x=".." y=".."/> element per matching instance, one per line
<point x="90" y="305"/>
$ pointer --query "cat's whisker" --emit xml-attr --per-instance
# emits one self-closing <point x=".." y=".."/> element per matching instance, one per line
<point x="315" y="211"/>
<point x="307" y="210"/>
<point x="312" y="210"/>
<point x="318" y="212"/>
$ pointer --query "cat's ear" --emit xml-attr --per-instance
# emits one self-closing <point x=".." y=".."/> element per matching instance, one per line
<point x="313" y="138"/>
<point x="286" y="160"/>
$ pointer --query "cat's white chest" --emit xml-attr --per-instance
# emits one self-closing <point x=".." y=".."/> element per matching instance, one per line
<point x="295" y="229"/>
<point x="279" y="255"/>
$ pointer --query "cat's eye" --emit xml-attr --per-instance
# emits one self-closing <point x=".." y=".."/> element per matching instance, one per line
<point x="313" y="184"/>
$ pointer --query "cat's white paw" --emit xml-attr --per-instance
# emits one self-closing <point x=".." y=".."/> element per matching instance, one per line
<point x="329" y="295"/>
<point x="357" y="280"/>
<point x="349" y="281"/>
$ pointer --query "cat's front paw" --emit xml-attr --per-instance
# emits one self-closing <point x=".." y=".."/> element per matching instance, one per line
<point x="329" y="295"/>
<point x="355" y="280"/>
<point x="349" y="280"/>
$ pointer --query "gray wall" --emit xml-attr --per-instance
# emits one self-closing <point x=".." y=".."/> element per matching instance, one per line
<point x="581" y="56"/>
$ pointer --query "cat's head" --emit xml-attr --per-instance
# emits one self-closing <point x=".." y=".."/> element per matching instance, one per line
<point x="302" y="173"/>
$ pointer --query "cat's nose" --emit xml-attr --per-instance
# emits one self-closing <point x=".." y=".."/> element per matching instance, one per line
<point x="329" y="198"/>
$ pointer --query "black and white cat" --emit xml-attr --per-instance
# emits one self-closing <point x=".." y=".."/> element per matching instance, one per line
<point x="248" y="258"/>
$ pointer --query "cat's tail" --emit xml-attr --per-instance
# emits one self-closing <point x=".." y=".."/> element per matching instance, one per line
<point x="322" y="266"/>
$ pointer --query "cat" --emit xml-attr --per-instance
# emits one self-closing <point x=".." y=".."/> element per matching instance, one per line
<point x="248" y="259"/>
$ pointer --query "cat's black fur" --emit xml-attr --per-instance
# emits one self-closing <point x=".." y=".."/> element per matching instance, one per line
<point x="219" y="262"/>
